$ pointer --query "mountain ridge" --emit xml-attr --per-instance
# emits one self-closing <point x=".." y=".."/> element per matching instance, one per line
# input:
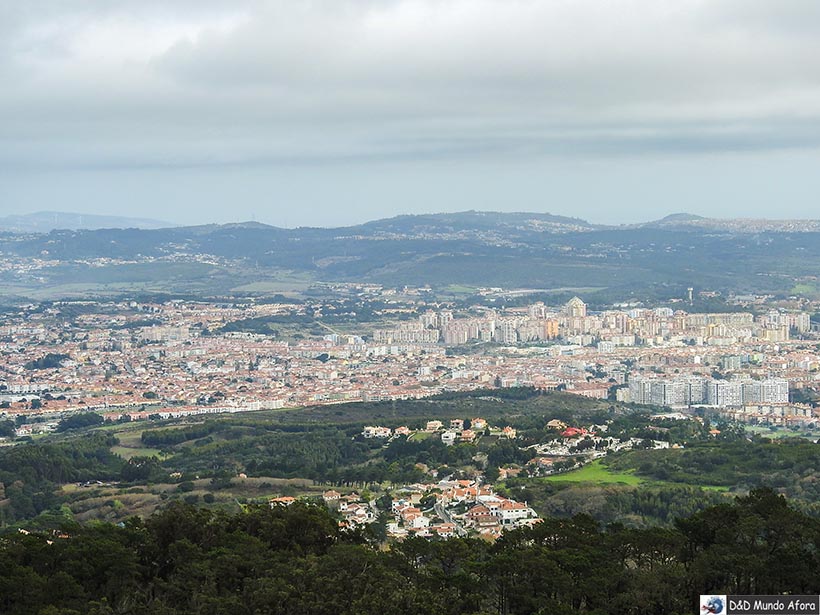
<point x="47" y="221"/>
<point x="470" y="249"/>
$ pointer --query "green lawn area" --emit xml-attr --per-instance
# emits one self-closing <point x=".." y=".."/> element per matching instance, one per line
<point x="130" y="438"/>
<point x="459" y="289"/>
<point x="127" y="452"/>
<point x="760" y="430"/>
<point x="131" y="444"/>
<point x="285" y="284"/>
<point x="805" y="290"/>
<point x="598" y="473"/>
<point x="420" y="435"/>
<point x="712" y="487"/>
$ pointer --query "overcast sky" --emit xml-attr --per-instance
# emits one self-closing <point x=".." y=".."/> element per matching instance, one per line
<point x="329" y="112"/>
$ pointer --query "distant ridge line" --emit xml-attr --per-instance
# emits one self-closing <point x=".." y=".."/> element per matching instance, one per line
<point x="48" y="221"/>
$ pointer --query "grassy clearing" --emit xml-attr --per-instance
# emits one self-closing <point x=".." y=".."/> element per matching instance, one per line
<point x="114" y="502"/>
<point x="805" y="290"/>
<point x="720" y="488"/>
<point x="127" y="452"/>
<point x="597" y="473"/>
<point x="283" y="280"/>
<point x="286" y="284"/>
<point x="131" y="445"/>
<point x="131" y="438"/>
<point x="766" y="432"/>
<point x="420" y="435"/>
<point x="460" y="289"/>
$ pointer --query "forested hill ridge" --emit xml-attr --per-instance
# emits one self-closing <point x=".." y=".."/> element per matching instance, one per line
<point x="416" y="224"/>
<point x="472" y="249"/>
<point x="732" y="225"/>
<point x="295" y="560"/>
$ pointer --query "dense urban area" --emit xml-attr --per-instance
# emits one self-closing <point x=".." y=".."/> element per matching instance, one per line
<point x="181" y="358"/>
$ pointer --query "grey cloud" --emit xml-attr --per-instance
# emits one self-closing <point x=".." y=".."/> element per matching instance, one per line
<point x="148" y="85"/>
<point x="373" y="68"/>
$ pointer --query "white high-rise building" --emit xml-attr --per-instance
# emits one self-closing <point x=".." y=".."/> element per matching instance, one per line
<point x="575" y="308"/>
<point x="724" y="393"/>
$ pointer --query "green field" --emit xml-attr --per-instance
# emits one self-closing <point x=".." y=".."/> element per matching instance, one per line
<point x="597" y="473"/>
<point x="766" y="432"/>
<point x="130" y="444"/>
<point x="127" y="452"/>
<point x="70" y="280"/>
<point x="420" y="435"/>
<point x="459" y="289"/>
<point x="285" y="281"/>
<point x="720" y="488"/>
<point x="805" y="290"/>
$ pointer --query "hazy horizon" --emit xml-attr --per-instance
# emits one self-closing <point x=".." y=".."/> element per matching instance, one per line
<point x="333" y="113"/>
<point x="163" y="223"/>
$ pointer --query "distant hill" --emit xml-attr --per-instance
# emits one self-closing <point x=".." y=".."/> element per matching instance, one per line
<point x="46" y="221"/>
<point x="677" y="219"/>
<point x="466" y="250"/>
<point x="690" y="222"/>
<point x="478" y="221"/>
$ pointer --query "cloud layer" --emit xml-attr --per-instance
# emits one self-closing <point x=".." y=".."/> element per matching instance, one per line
<point x="143" y="84"/>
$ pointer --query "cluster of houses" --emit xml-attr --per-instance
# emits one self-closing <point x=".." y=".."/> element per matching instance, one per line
<point x="471" y="507"/>
<point x="461" y="507"/>
<point x="458" y="430"/>
<point x="576" y="446"/>
<point x="353" y="510"/>
<point x="446" y="509"/>
<point x="410" y="520"/>
<point x="384" y="433"/>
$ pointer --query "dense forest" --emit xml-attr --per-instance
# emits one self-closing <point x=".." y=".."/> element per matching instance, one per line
<point x="790" y="465"/>
<point x="296" y="560"/>
<point x="30" y="474"/>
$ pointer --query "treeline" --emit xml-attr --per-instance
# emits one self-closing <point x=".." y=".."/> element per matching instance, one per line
<point x="296" y="561"/>
<point x="66" y="461"/>
<point x="30" y="473"/>
<point x="328" y="455"/>
<point x="792" y="465"/>
<point x="7" y="428"/>
<point x="80" y="421"/>
<point x="336" y="455"/>
<point x="170" y="437"/>
<point x="521" y="407"/>
<point x="644" y="506"/>
<point x="219" y="447"/>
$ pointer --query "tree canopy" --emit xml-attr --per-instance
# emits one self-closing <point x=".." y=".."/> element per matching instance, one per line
<point x="296" y="560"/>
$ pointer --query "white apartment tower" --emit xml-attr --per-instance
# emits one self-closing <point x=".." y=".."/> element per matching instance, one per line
<point x="575" y="308"/>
